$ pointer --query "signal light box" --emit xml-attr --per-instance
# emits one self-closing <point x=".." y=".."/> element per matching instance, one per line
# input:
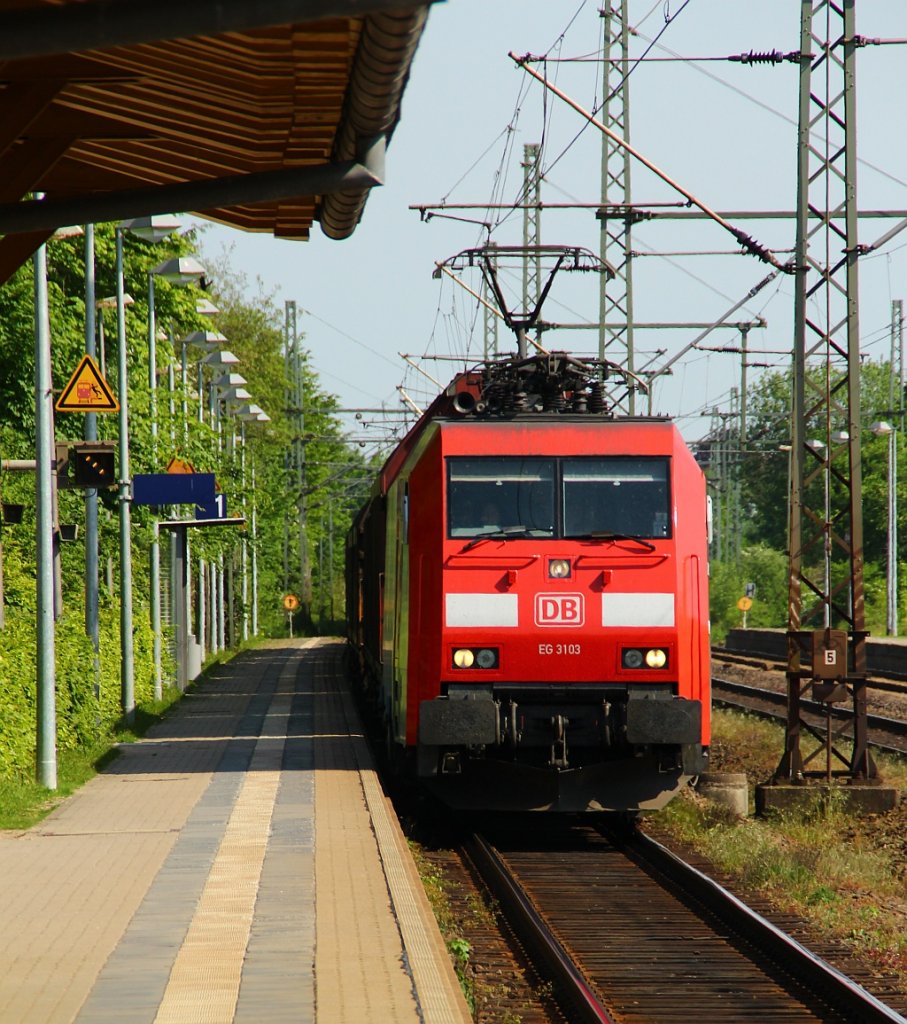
<point x="93" y="468"/>
<point x="86" y="464"/>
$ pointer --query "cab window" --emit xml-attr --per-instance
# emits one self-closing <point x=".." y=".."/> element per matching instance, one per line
<point x="515" y="494"/>
<point x="616" y="494"/>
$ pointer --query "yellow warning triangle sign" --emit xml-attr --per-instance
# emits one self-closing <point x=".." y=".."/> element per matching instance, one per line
<point x="87" y="391"/>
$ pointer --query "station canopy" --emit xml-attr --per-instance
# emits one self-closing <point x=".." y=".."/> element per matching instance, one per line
<point x="266" y="115"/>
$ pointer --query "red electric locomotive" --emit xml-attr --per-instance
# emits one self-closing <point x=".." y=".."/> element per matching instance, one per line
<point x="528" y="596"/>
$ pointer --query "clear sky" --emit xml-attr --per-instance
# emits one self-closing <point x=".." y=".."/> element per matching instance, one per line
<point x="726" y="131"/>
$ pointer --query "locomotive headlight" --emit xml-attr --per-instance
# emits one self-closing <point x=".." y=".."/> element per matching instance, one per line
<point x="643" y="657"/>
<point x="656" y="658"/>
<point x="559" y="568"/>
<point x="631" y="657"/>
<point x="487" y="657"/>
<point x="464" y="658"/>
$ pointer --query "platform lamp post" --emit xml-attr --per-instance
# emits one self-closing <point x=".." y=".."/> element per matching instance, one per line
<point x="263" y="417"/>
<point x="90" y="433"/>
<point x="154" y="229"/>
<point x="206" y="342"/>
<point x="217" y="359"/>
<point x="248" y="413"/>
<point x="127" y="654"/>
<point x="102" y="305"/>
<point x="46" y="536"/>
<point x="232" y="394"/>
<point x="881" y="428"/>
<point x="110" y="302"/>
<point x="182" y="270"/>
<point x="46" y="746"/>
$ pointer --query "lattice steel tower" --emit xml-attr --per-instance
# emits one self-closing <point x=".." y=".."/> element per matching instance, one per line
<point x="826" y="627"/>
<point x="615" y="315"/>
<point x="532" y="225"/>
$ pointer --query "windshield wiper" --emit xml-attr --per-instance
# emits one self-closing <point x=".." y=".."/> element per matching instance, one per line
<point x="502" y="532"/>
<point x="612" y="535"/>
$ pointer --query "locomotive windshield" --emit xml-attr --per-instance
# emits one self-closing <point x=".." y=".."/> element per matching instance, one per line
<point x="502" y="494"/>
<point x="616" y="495"/>
<point x="548" y="497"/>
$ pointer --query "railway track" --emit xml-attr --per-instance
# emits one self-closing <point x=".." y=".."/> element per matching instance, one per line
<point x="630" y="934"/>
<point x="889" y="734"/>
<point x="893" y="682"/>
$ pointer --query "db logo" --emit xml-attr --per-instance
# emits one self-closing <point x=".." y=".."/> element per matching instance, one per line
<point x="558" y="609"/>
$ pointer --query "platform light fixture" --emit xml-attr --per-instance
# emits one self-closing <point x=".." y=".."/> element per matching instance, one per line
<point x="154" y="228"/>
<point x="178" y="271"/>
<point x="182" y="270"/>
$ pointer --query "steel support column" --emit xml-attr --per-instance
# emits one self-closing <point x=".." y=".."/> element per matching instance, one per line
<point x="532" y="233"/>
<point x="616" y="295"/>
<point x="490" y="319"/>
<point x="826" y="525"/>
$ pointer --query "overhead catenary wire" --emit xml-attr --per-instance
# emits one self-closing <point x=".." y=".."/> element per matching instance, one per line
<point x="749" y="244"/>
<point x="768" y="108"/>
<point x="669" y="20"/>
<point x="349" y="337"/>
<point x="554" y="59"/>
<point x="750" y="57"/>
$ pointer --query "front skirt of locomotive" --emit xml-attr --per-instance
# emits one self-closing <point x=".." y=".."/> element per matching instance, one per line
<point x="634" y="784"/>
<point x="466" y="762"/>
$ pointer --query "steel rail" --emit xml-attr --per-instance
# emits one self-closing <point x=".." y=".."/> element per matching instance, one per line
<point x="535" y="933"/>
<point x="808" y="973"/>
<point x="775" y="698"/>
<point x="811" y="970"/>
<point x="887" y="680"/>
<point x="894" y="725"/>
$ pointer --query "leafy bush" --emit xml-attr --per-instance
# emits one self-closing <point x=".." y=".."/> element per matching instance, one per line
<point x="759" y="564"/>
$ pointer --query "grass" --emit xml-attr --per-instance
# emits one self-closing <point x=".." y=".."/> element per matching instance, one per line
<point x="843" y="873"/>
<point x="23" y="802"/>
<point x="460" y="915"/>
<point x="437" y="888"/>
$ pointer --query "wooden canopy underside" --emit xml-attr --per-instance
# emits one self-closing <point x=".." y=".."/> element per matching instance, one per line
<point x="267" y="112"/>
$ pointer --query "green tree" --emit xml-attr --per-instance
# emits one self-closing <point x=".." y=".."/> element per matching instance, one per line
<point x="335" y="477"/>
<point x="765" y="482"/>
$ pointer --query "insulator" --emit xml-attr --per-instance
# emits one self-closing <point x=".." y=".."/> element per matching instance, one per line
<point x="596" y="397"/>
<point x="760" y="57"/>
<point x="579" y="402"/>
<point x="552" y="400"/>
<point x="491" y="398"/>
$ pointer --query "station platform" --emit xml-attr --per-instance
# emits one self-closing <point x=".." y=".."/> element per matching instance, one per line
<point x="239" y="864"/>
